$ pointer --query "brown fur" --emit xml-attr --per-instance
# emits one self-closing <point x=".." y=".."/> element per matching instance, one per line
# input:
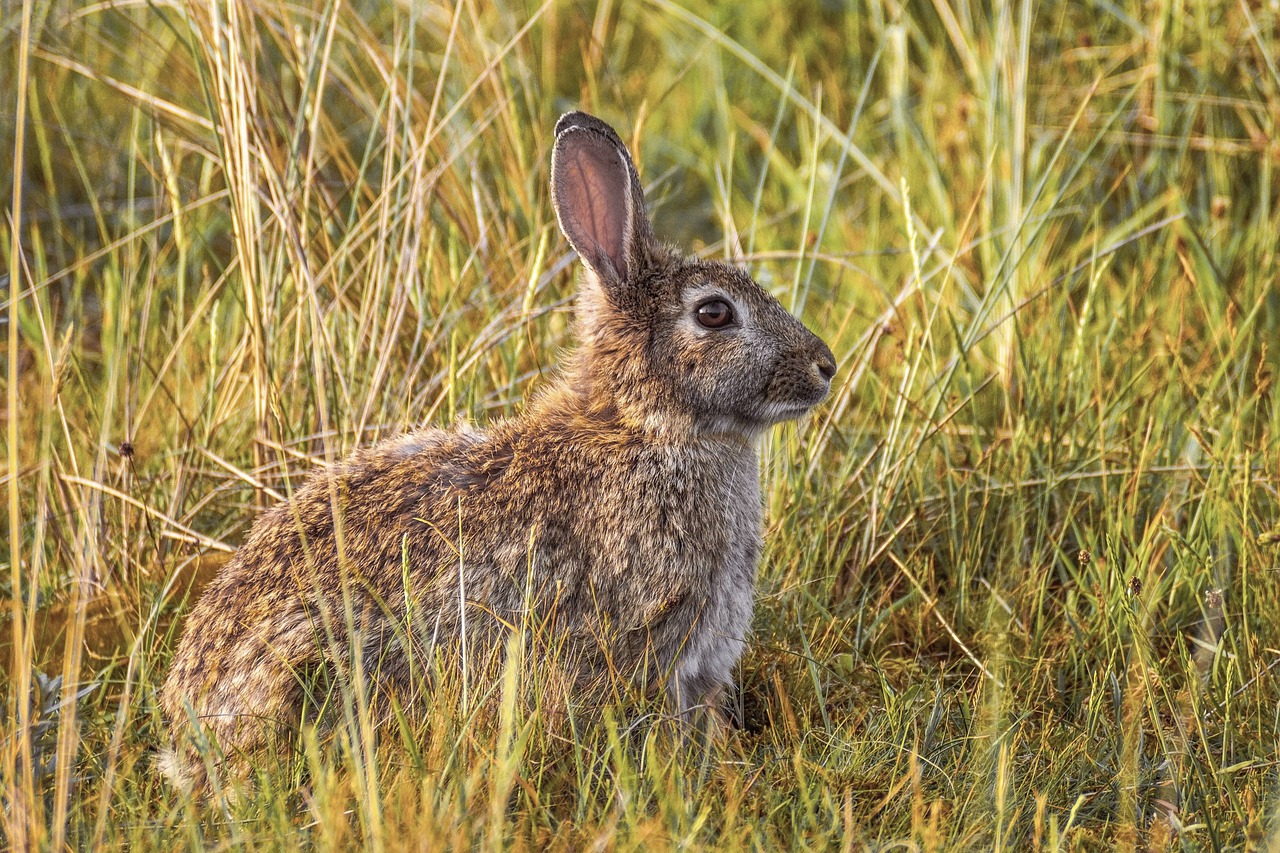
<point x="620" y="514"/>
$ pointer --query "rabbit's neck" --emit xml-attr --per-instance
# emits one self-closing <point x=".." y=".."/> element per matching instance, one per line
<point x="567" y="406"/>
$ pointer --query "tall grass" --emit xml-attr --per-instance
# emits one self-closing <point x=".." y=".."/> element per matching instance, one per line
<point x="1020" y="584"/>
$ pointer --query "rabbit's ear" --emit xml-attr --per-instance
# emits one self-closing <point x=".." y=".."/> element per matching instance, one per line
<point x="598" y="198"/>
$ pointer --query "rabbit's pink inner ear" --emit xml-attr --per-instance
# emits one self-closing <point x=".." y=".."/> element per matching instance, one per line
<point x="591" y="187"/>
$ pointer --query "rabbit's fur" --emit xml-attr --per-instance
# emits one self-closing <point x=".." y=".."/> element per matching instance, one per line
<point x="621" y="512"/>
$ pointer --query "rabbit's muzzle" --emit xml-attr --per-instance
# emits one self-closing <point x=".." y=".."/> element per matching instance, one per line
<point x="800" y="381"/>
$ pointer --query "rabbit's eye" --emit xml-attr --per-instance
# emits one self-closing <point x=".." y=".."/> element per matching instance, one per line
<point x="715" y="314"/>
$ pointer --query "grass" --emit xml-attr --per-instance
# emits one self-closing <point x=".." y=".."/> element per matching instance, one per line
<point x="1020" y="581"/>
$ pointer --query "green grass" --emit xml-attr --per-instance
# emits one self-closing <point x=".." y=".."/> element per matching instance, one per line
<point x="1021" y="575"/>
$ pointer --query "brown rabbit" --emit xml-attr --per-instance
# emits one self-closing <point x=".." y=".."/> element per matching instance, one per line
<point x="622" y="508"/>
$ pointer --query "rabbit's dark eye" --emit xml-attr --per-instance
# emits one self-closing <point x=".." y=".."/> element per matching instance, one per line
<point x="715" y="314"/>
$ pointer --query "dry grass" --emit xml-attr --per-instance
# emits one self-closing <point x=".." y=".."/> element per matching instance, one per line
<point x="1020" y="581"/>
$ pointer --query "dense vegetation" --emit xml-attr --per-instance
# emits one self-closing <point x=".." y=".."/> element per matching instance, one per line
<point x="1020" y="586"/>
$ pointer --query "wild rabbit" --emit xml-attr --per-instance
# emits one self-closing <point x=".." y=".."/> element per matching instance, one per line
<point x="622" y="508"/>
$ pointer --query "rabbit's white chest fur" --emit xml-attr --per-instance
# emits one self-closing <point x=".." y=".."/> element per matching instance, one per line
<point x="717" y="637"/>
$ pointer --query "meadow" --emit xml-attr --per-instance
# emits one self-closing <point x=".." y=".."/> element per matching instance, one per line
<point x="1021" y="584"/>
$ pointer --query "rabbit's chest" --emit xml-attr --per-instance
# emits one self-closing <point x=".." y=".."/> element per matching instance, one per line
<point x="722" y="611"/>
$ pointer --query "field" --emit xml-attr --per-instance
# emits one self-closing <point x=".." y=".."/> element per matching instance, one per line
<point x="1021" y="585"/>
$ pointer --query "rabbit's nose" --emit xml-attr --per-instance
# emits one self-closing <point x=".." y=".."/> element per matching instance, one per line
<point x="824" y="362"/>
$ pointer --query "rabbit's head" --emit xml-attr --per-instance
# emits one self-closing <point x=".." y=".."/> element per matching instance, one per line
<point x="668" y="343"/>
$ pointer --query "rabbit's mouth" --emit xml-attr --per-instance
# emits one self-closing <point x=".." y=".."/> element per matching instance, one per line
<point x="788" y="398"/>
<point x="784" y="410"/>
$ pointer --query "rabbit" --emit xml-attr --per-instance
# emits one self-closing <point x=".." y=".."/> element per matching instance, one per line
<point x="622" y="506"/>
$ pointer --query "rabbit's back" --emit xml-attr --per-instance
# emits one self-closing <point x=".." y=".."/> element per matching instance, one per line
<point x="276" y="611"/>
